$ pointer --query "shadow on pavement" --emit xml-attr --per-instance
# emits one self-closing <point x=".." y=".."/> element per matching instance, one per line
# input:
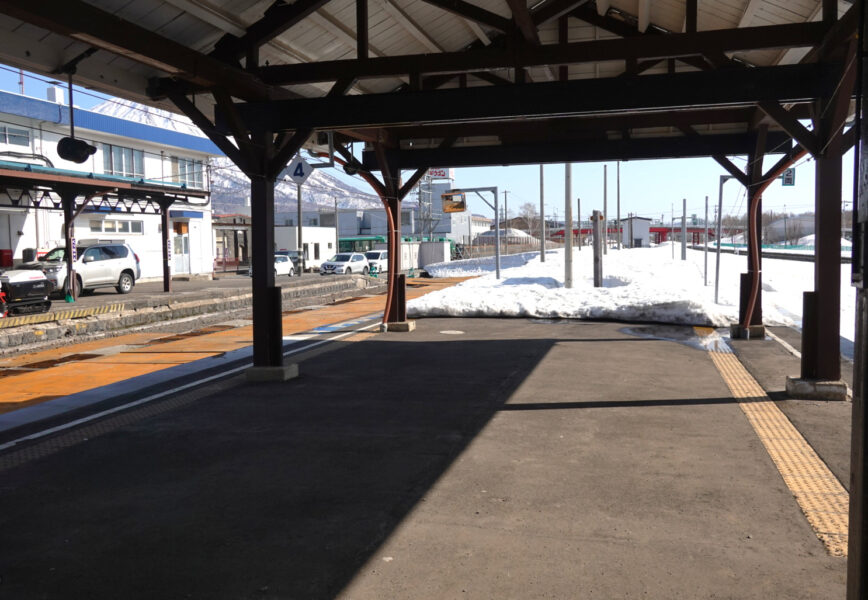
<point x="270" y="490"/>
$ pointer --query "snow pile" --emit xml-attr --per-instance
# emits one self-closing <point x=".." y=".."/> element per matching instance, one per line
<point x="642" y="284"/>
<point x="511" y="233"/>
<point x="479" y="266"/>
<point x="809" y="240"/>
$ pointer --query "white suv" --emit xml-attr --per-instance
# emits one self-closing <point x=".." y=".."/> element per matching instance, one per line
<point x="97" y="265"/>
<point x="345" y="262"/>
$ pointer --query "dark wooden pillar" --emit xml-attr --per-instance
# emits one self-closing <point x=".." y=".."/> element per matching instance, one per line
<point x="822" y="324"/>
<point x="267" y="324"/>
<point x="857" y="552"/>
<point x="67" y="201"/>
<point x="826" y="321"/>
<point x="396" y="312"/>
<point x="167" y="254"/>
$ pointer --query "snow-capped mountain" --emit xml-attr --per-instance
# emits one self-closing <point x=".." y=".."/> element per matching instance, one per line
<point x="230" y="188"/>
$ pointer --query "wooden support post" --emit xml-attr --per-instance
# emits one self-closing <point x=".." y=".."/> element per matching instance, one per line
<point x="826" y="320"/>
<point x="857" y="552"/>
<point x="267" y="326"/>
<point x="167" y="249"/>
<point x="67" y="201"/>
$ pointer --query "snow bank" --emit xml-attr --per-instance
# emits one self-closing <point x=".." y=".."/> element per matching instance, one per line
<point x="641" y="284"/>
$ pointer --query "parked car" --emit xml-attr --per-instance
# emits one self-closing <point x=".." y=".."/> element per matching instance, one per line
<point x="345" y="262"/>
<point x="294" y="256"/>
<point x="283" y="265"/>
<point x="97" y="265"/>
<point x="378" y="260"/>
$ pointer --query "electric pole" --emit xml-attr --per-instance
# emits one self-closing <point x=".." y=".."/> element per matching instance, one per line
<point x="618" y="215"/>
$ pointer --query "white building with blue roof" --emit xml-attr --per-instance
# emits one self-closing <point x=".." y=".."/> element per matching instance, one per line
<point x="148" y="153"/>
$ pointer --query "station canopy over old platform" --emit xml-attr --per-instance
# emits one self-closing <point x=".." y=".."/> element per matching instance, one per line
<point x="435" y="80"/>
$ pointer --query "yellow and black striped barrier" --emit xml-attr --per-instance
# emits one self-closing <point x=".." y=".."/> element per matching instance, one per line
<point x="76" y="313"/>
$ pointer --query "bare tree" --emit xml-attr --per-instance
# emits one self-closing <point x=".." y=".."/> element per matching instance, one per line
<point x="528" y="212"/>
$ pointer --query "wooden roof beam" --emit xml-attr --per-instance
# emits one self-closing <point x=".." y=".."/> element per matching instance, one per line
<point x="481" y="59"/>
<point x="678" y="91"/>
<point x="574" y="151"/>
<point x="474" y="13"/>
<point x="553" y="9"/>
<point x="86" y="23"/>
<point x="278" y="18"/>
<point x="523" y="22"/>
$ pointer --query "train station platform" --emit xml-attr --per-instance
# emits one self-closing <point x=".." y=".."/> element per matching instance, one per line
<point x="470" y="458"/>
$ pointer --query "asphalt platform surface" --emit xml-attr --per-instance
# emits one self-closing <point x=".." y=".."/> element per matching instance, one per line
<point x="470" y="458"/>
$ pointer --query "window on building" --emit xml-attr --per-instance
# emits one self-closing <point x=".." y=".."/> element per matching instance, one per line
<point x="14" y="136"/>
<point x="117" y="160"/>
<point x="114" y="226"/>
<point x="188" y="172"/>
<point x="316" y="251"/>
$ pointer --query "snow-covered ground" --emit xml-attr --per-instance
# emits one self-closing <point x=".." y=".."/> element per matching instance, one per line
<point x="642" y="284"/>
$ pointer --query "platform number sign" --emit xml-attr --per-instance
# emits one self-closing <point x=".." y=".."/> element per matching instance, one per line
<point x="299" y="170"/>
<point x="789" y="177"/>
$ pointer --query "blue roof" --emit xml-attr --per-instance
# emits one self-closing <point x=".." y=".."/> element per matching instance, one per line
<point x="30" y="168"/>
<point x="42" y="110"/>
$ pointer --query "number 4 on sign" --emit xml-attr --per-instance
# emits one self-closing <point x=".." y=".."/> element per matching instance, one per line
<point x="299" y="170"/>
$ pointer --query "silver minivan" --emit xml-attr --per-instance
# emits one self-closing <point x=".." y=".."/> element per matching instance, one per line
<point x="105" y="264"/>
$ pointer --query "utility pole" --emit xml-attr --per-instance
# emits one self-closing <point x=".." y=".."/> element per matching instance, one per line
<point x="605" y="211"/>
<point x="705" y="239"/>
<point x="542" y="219"/>
<point x="684" y="229"/>
<point x="630" y="229"/>
<point x="618" y="215"/>
<point x="723" y="179"/>
<point x="597" y="220"/>
<point x="568" y="225"/>
<point x="786" y="233"/>
<point x="299" y="245"/>
<point x="337" y="229"/>
<point x="469" y="234"/>
<point x="672" y="227"/>
<point x="579" y="220"/>
<point x="506" y="220"/>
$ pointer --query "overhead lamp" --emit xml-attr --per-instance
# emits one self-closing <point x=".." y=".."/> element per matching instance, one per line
<point x="69" y="148"/>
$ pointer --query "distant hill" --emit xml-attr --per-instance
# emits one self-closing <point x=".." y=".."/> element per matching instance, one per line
<point x="230" y="188"/>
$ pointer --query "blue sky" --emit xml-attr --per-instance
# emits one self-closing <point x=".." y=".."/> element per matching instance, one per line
<point x="648" y="188"/>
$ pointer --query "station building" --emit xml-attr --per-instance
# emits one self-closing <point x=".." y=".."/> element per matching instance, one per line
<point x="29" y="131"/>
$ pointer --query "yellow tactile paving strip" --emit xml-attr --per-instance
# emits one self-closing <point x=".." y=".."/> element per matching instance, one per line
<point x="820" y="495"/>
<point x="76" y="313"/>
<point x="142" y="353"/>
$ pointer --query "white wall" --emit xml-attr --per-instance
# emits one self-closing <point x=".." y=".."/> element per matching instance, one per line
<point x="641" y="231"/>
<point x="45" y="231"/>
<point x="313" y="237"/>
<point x="434" y="252"/>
